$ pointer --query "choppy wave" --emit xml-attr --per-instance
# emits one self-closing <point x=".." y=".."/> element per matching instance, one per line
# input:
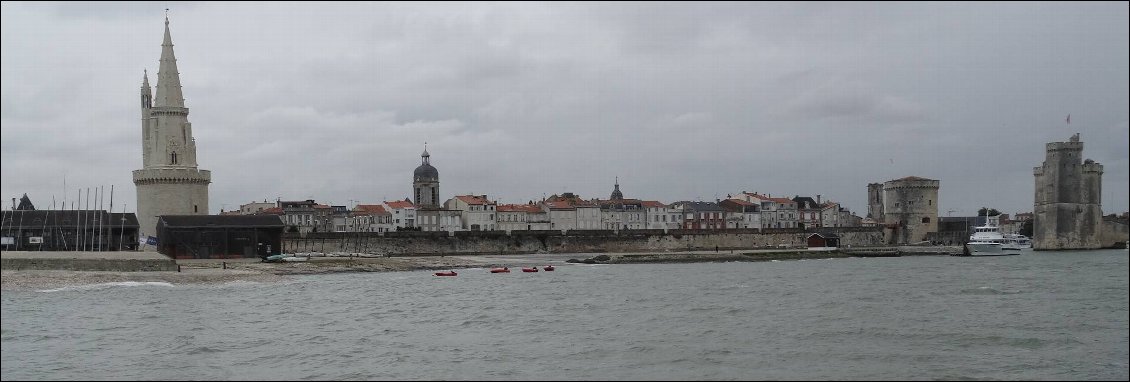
<point x="916" y="317"/>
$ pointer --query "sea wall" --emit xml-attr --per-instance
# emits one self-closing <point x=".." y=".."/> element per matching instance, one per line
<point x="89" y="265"/>
<point x="573" y="241"/>
<point x="1115" y="233"/>
<point x="87" y="261"/>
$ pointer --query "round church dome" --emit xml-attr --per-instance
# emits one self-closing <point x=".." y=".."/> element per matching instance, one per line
<point x="426" y="172"/>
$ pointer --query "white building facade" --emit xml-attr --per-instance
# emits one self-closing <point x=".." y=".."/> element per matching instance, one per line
<point x="477" y="212"/>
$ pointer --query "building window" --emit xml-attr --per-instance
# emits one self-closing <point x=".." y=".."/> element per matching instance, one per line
<point x="173" y="158"/>
<point x="195" y="208"/>
<point x="926" y="220"/>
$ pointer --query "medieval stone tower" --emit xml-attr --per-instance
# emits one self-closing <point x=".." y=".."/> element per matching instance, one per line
<point x="169" y="182"/>
<point x="1068" y="208"/>
<point x="910" y="204"/>
<point x="425" y="183"/>
<point x="875" y="201"/>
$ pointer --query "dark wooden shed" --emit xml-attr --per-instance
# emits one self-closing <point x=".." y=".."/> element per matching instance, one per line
<point x="219" y="236"/>
<point x="823" y="240"/>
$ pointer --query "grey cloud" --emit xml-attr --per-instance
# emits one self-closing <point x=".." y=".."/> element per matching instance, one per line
<point x="681" y="100"/>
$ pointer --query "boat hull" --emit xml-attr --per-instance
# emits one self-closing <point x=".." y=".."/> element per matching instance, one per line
<point x="990" y="249"/>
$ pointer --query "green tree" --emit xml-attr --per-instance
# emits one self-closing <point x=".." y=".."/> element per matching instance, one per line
<point x="1026" y="228"/>
<point x="985" y="211"/>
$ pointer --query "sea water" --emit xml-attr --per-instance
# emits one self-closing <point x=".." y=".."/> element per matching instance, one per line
<point x="1036" y="316"/>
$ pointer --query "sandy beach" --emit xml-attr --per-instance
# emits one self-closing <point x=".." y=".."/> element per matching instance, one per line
<point x="220" y="271"/>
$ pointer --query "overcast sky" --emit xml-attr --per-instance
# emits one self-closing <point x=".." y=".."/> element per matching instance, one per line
<point x="682" y="101"/>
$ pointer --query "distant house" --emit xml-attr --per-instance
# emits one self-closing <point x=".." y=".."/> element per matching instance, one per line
<point x="369" y="218"/>
<point x="808" y="212"/>
<point x="522" y="217"/>
<point x="570" y="211"/>
<point x="702" y="215"/>
<point x="661" y="216"/>
<point x="477" y="212"/>
<point x="741" y="214"/>
<point x="403" y="213"/>
<point x="219" y="236"/>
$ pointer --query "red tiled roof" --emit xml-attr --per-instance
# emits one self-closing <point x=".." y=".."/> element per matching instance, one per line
<point x="271" y="211"/>
<point x="652" y="203"/>
<point x="759" y="196"/>
<point x="559" y="205"/>
<point x="913" y="178"/>
<point x="519" y="208"/>
<point x="740" y="202"/>
<point x="783" y="200"/>
<point x="400" y="204"/>
<point x="369" y="209"/>
<point x="474" y="199"/>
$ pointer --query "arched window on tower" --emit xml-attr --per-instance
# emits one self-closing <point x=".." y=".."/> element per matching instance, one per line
<point x="173" y="158"/>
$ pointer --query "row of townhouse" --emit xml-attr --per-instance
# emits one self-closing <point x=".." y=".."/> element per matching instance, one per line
<point x="564" y="212"/>
<point x="302" y="215"/>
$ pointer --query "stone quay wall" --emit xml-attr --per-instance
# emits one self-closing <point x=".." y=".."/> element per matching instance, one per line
<point x="1115" y="233"/>
<point x="128" y="261"/>
<point x="572" y="241"/>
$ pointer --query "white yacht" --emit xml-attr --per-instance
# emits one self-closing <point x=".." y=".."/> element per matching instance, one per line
<point x="1017" y="241"/>
<point x="987" y="240"/>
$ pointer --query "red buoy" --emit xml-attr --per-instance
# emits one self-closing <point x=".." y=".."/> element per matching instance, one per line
<point x="450" y="273"/>
<point x="500" y="270"/>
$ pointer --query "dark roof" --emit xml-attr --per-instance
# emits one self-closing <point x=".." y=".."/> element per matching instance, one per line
<point x="826" y="235"/>
<point x="192" y="221"/>
<point x="65" y="218"/>
<point x="805" y="202"/>
<point x="426" y="172"/>
<point x="25" y="204"/>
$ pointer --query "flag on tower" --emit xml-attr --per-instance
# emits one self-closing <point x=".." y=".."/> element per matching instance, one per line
<point x="1068" y="119"/>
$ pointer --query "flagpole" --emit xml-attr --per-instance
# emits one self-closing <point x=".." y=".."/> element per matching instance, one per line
<point x="122" y="228"/>
<point x="101" y="222"/>
<point x="48" y="216"/>
<point x="111" y="216"/>
<point x="77" y="218"/>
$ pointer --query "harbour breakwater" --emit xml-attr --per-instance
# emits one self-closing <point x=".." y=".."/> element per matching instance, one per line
<point x="572" y="241"/>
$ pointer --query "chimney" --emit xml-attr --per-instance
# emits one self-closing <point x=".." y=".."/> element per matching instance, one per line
<point x="818" y="199"/>
<point x="13" y="204"/>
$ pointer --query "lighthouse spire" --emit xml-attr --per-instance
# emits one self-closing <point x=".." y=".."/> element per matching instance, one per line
<point x="168" y="78"/>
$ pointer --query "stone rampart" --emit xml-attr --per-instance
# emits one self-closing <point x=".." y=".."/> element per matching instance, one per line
<point x="573" y="241"/>
<point x="1115" y="233"/>
<point x="94" y="264"/>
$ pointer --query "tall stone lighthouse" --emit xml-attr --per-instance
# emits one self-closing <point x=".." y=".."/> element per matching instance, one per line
<point x="1068" y="210"/>
<point x="169" y="182"/>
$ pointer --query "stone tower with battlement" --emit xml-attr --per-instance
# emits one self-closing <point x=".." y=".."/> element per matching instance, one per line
<point x="1068" y="207"/>
<point x="909" y="204"/>
<point x="169" y="182"/>
<point x="875" y="201"/>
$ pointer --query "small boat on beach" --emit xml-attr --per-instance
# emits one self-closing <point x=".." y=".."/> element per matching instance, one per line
<point x="534" y="269"/>
<point x="548" y="268"/>
<point x="500" y="270"/>
<point x="448" y="273"/>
